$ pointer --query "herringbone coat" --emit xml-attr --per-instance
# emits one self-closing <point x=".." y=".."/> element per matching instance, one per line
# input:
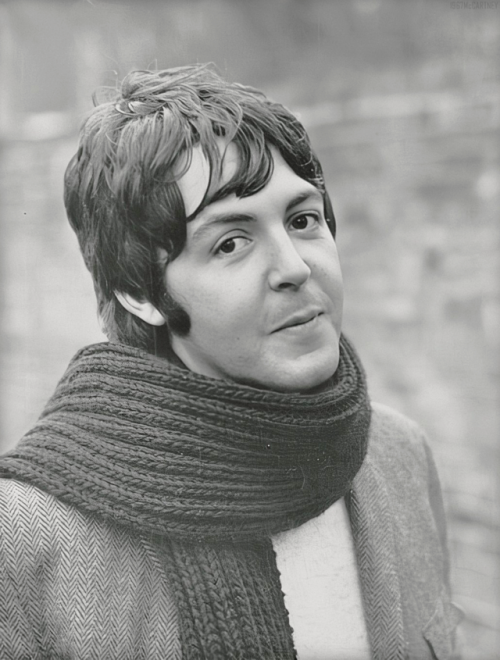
<point x="74" y="587"/>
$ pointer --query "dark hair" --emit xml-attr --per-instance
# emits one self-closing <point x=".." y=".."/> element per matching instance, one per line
<point x="121" y="195"/>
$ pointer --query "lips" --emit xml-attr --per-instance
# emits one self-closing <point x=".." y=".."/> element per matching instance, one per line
<point x="299" y="318"/>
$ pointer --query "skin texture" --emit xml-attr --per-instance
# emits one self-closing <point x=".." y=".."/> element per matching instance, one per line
<point x="260" y="278"/>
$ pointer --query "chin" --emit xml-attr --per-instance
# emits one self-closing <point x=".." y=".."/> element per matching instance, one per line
<point x="304" y="378"/>
<point x="302" y="384"/>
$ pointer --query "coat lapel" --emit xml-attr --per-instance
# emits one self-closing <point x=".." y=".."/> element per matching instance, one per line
<point x="373" y="532"/>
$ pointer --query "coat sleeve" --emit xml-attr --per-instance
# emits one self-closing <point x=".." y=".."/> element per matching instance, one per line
<point x="454" y="614"/>
<point x="437" y="507"/>
<point x="401" y="454"/>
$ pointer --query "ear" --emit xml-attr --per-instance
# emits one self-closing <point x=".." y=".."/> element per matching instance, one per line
<point x="143" y="309"/>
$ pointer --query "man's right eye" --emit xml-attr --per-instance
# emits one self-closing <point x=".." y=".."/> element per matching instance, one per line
<point x="228" y="246"/>
<point x="231" y="244"/>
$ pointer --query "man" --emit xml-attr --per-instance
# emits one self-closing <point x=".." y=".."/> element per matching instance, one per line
<point x="214" y="482"/>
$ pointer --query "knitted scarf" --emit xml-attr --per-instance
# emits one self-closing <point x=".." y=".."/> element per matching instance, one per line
<point x="207" y="468"/>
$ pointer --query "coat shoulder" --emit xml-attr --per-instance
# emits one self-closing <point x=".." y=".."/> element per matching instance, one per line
<point x="396" y="440"/>
<point x="31" y="518"/>
<point x="391" y="425"/>
<point x="105" y="589"/>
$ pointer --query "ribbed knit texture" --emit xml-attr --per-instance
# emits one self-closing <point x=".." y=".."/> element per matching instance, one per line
<point x="210" y="468"/>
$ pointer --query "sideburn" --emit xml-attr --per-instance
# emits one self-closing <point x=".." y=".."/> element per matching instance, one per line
<point x="178" y="320"/>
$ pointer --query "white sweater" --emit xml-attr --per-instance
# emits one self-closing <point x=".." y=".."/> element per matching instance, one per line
<point x="320" y="581"/>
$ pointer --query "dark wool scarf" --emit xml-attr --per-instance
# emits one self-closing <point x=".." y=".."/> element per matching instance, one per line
<point x="210" y="469"/>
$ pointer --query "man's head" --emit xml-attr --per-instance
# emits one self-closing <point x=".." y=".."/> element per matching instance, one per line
<point x="177" y="162"/>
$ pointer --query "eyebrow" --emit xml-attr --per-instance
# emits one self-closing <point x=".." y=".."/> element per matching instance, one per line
<point x="221" y="219"/>
<point x="227" y="218"/>
<point x="304" y="197"/>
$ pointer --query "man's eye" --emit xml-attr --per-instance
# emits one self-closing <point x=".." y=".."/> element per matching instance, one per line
<point x="304" y="221"/>
<point x="231" y="244"/>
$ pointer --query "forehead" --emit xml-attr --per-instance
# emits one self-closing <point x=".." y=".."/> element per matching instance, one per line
<point x="195" y="182"/>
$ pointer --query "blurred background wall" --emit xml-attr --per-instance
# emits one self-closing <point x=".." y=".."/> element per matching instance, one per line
<point x="402" y="101"/>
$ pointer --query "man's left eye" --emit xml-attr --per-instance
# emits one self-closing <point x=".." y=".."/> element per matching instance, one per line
<point x="304" y="220"/>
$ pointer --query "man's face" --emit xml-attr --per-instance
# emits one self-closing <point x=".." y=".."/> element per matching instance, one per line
<point x="260" y="279"/>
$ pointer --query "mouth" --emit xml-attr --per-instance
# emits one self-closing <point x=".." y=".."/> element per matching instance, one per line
<point x="299" y="321"/>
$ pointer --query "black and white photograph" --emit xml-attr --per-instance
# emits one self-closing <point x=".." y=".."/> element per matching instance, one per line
<point x="249" y="330"/>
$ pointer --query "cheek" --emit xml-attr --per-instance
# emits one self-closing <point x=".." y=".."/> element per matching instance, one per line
<point x="218" y="307"/>
<point x="336" y="282"/>
<point x="328" y="271"/>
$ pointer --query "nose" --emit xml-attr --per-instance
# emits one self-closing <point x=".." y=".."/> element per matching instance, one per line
<point x="287" y="270"/>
